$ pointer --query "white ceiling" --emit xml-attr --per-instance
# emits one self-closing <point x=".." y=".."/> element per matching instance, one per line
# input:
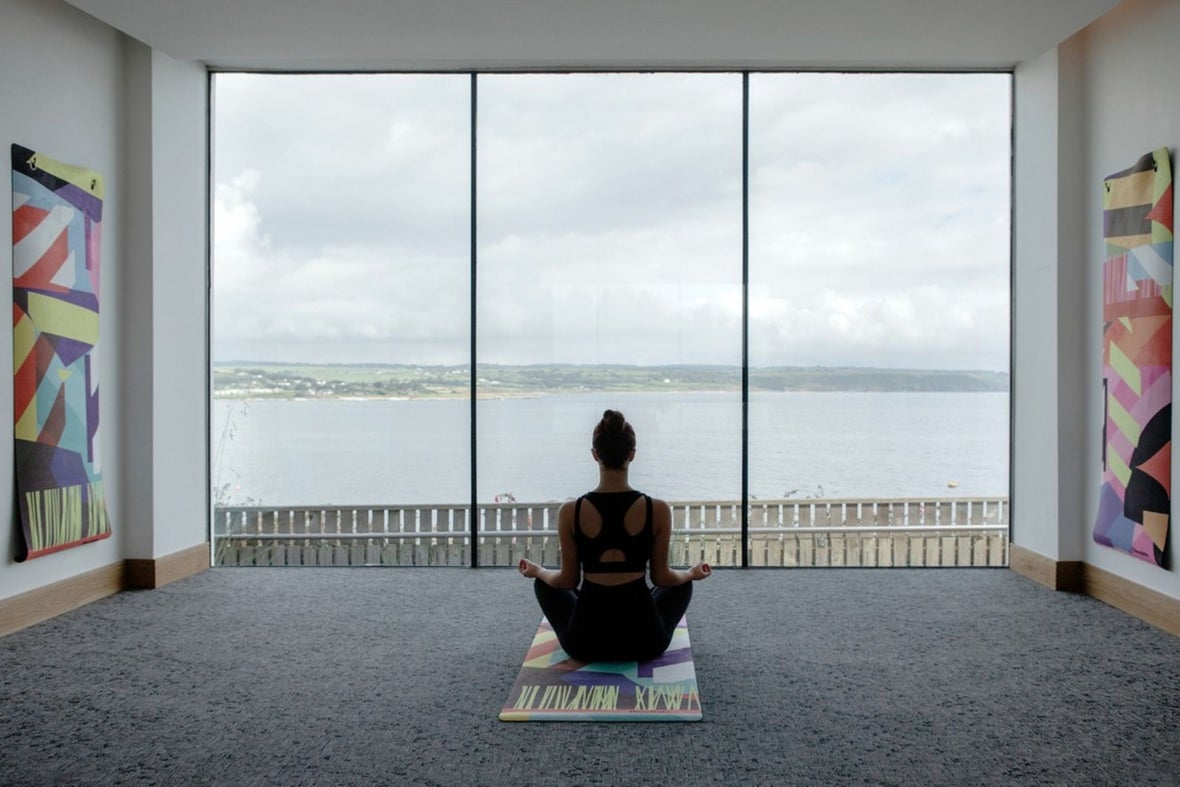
<point x="548" y="34"/>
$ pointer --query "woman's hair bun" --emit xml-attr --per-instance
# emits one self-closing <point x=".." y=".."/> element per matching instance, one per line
<point x="614" y="439"/>
<point x="613" y="420"/>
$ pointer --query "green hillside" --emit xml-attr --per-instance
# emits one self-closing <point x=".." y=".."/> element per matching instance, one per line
<point x="274" y="380"/>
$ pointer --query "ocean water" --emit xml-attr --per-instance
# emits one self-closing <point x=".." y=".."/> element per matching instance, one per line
<point x="537" y="449"/>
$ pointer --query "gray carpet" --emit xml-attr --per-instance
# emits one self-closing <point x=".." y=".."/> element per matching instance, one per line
<point x="395" y="676"/>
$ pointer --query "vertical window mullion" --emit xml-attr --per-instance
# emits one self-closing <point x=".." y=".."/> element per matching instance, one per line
<point x="474" y="516"/>
<point x="745" y="507"/>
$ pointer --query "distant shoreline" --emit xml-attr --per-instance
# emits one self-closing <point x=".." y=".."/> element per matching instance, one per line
<point x="270" y="380"/>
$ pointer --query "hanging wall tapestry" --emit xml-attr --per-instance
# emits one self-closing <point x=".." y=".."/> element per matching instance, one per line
<point x="1134" y="505"/>
<point x="56" y="221"/>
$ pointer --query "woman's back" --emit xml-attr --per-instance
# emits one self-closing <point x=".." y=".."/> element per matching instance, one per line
<point x="613" y="532"/>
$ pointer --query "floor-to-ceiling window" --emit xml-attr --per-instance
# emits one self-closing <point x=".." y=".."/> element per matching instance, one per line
<point x="341" y="325"/>
<point x="609" y="266"/>
<point x="428" y="287"/>
<point x="879" y="311"/>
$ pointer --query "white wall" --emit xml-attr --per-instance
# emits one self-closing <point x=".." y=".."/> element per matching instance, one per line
<point x="164" y="322"/>
<point x="1089" y="108"/>
<point x="61" y="92"/>
<point x="86" y="94"/>
<point x="180" y="185"/>
<point x="136" y="337"/>
<point x="1131" y="104"/>
<point x="1078" y="358"/>
<point x="1035" y="473"/>
<point x="1048" y="357"/>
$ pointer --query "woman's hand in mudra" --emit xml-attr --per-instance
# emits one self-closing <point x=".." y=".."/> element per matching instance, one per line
<point x="700" y="571"/>
<point x="528" y="568"/>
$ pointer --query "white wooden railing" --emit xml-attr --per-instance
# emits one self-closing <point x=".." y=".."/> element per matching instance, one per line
<point x="786" y="533"/>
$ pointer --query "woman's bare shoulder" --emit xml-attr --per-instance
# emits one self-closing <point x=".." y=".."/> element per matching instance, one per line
<point x="660" y="509"/>
<point x="567" y="509"/>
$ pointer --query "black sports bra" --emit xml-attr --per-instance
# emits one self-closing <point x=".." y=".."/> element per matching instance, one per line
<point x="612" y="507"/>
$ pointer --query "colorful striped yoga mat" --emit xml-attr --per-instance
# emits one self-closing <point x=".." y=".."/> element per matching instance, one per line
<point x="552" y="686"/>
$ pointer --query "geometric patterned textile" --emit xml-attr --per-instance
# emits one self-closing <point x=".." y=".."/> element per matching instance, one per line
<point x="1134" y="504"/>
<point x="552" y="686"/>
<point x="56" y="223"/>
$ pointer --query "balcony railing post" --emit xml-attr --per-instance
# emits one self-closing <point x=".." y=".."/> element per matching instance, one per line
<point x="676" y="550"/>
<point x="551" y="553"/>
<point x="463" y="536"/>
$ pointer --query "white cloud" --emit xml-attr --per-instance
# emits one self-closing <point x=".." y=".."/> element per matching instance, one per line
<point x="329" y="298"/>
<point x="609" y="218"/>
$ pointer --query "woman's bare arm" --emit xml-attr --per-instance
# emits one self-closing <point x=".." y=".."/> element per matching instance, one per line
<point x="662" y="574"/>
<point x="570" y="573"/>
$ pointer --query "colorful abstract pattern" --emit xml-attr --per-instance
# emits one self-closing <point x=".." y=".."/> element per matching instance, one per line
<point x="1134" y="505"/>
<point x="56" y="222"/>
<point x="552" y="686"/>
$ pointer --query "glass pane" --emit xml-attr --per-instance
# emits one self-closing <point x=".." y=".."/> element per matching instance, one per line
<point x="879" y="316"/>
<point x="609" y="276"/>
<point x="341" y="293"/>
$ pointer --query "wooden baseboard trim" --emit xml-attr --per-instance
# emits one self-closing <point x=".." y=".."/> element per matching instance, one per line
<point x="34" y="606"/>
<point x="1064" y="575"/>
<point x="151" y="574"/>
<point x="1076" y="576"/>
<point x="1148" y="605"/>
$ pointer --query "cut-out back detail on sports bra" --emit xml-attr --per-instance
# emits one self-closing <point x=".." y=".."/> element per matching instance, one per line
<point x="612" y="508"/>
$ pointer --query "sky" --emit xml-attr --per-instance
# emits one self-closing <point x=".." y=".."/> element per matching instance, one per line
<point x="609" y="219"/>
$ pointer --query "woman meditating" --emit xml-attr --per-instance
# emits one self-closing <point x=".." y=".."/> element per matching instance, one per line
<point x="608" y="538"/>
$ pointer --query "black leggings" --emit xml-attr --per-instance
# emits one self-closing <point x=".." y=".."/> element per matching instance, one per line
<point x="627" y="622"/>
